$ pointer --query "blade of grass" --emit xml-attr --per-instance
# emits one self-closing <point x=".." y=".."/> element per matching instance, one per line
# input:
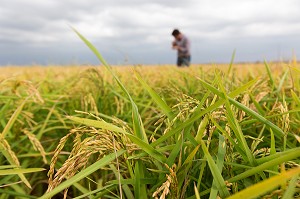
<point x="104" y="193"/>
<point x="15" y="194"/>
<point x="272" y="152"/>
<point x="220" y="164"/>
<point x="161" y="149"/>
<point x="271" y="79"/>
<point x="202" y="168"/>
<point x="231" y="63"/>
<point x="139" y="188"/>
<point x="125" y="187"/>
<point x="197" y="195"/>
<point x="236" y="146"/>
<point x="265" y="186"/>
<point x="282" y="81"/>
<point x="96" y="123"/>
<point x="156" y="98"/>
<point x="257" y="105"/>
<point x="13" y="118"/>
<point x="191" y="156"/>
<point x="6" y="150"/>
<point x="41" y="131"/>
<point x="296" y="84"/>
<point x="278" y="154"/>
<point x="250" y="121"/>
<point x="95" y="191"/>
<point x="19" y="171"/>
<point x="175" y="150"/>
<point x="295" y="98"/>
<point x="4" y="108"/>
<point x="267" y="165"/>
<point x="131" y="181"/>
<point x="201" y="129"/>
<point x="220" y="183"/>
<point x="291" y="189"/>
<point x="136" y="118"/>
<point x="237" y="129"/>
<point x="186" y="134"/>
<point x="7" y="166"/>
<point x="147" y="148"/>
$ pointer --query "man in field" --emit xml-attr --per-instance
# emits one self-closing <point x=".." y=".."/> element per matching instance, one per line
<point x="182" y="45"/>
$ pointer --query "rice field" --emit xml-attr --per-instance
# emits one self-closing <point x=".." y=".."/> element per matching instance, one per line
<point x="208" y="131"/>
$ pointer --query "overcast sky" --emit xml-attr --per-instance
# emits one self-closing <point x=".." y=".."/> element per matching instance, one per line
<point x="139" y="31"/>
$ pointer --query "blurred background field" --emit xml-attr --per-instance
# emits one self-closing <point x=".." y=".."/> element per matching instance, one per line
<point x="36" y="70"/>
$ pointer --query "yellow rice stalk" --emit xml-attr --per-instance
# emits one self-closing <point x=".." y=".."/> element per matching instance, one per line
<point x="36" y="144"/>
<point x="89" y="104"/>
<point x="5" y="146"/>
<point x="97" y="141"/>
<point x="171" y="182"/>
<point x="245" y="101"/>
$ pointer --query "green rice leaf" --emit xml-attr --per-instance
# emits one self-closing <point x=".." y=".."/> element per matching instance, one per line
<point x="6" y="150"/>
<point x="175" y="150"/>
<point x="191" y="156"/>
<point x="105" y="188"/>
<point x="272" y="82"/>
<point x="18" y="171"/>
<point x="273" y="151"/>
<point x="282" y="81"/>
<point x="147" y="148"/>
<point x="295" y="98"/>
<point x="197" y="194"/>
<point x="41" y="131"/>
<point x="220" y="183"/>
<point x="257" y="105"/>
<point x="289" y="152"/>
<point x="131" y="181"/>
<point x="267" y="165"/>
<point x="201" y="129"/>
<point x="97" y="124"/>
<point x="231" y="63"/>
<point x="124" y="186"/>
<point x="265" y="186"/>
<point x="236" y="146"/>
<point x="220" y="164"/>
<point x="139" y="188"/>
<point x="4" y="108"/>
<point x="156" y="98"/>
<point x="13" y="119"/>
<point x="15" y="194"/>
<point x="291" y="189"/>
<point x="136" y="118"/>
<point x="236" y="128"/>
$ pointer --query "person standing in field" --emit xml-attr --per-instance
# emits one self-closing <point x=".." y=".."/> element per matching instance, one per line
<point x="182" y="45"/>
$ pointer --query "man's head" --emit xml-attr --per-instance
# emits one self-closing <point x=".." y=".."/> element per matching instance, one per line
<point x="177" y="34"/>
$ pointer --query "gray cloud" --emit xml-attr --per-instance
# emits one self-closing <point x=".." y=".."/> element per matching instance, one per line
<point x="139" y="30"/>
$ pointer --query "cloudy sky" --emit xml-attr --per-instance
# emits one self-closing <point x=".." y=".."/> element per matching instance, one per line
<point x="139" y="31"/>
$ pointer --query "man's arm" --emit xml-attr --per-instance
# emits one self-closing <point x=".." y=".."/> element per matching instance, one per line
<point x="174" y="45"/>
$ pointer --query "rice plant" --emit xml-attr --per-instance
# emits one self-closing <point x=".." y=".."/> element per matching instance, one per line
<point x="150" y="132"/>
